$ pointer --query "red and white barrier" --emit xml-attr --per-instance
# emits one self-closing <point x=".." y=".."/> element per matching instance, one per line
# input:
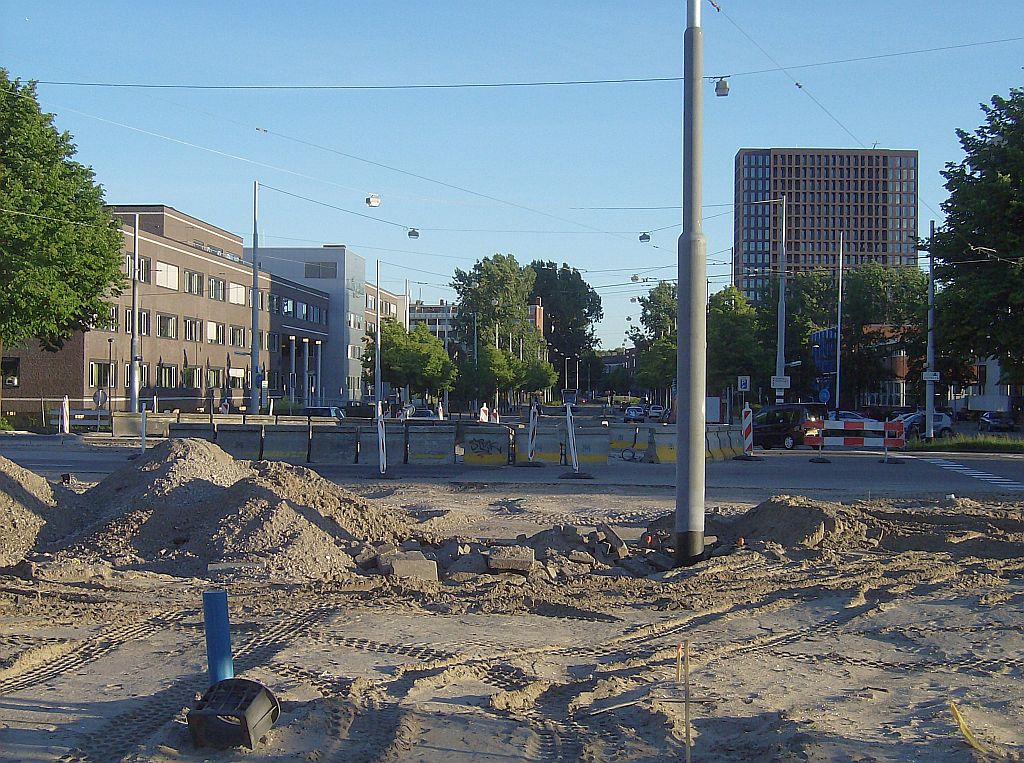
<point x="887" y="434"/>
<point x="747" y="425"/>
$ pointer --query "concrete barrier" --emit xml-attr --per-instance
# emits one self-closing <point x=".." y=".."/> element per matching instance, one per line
<point x="192" y="430"/>
<point x="431" y="444"/>
<point x="394" y="434"/>
<point x="547" y="447"/>
<point x="292" y="420"/>
<point x="592" y="445"/>
<point x="486" y="444"/>
<point x="334" y="445"/>
<point x="258" y="419"/>
<point x="195" y="418"/>
<point x="286" y="442"/>
<point x="242" y="441"/>
<point x="130" y="424"/>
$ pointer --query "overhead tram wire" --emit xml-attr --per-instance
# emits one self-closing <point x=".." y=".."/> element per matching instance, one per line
<point x="539" y="83"/>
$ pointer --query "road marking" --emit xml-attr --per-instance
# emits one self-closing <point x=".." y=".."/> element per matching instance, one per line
<point x="967" y="471"/>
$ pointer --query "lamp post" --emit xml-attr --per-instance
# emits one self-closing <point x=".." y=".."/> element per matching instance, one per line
<point x="136" y="348"/>
<point x="255" y="380"/>
<point x="110" y="372"/>
<point x="780" y="350"/>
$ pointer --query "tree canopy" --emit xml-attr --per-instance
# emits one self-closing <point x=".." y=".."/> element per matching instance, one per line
<point x="416" y="358"/>
<point x="571" y="308"/>
<point x="60" y="249"/>
<point x="979" y="252"/>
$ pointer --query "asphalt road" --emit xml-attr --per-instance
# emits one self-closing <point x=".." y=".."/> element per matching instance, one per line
<point x="849" y="475"/>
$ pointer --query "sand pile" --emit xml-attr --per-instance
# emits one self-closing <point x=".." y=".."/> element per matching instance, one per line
<point x="797" y="522"/>
<point x="189" y="505"/>
<point x="25" y="501"/>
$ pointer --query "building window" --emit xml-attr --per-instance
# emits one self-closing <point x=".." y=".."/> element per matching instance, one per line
<point x="236" y="294"/>
<point x="236" y="378"/>
<point x="355" y="351"/>
<point x="145" y="269"/>
<point x="321" y="270"/>
<point x="214" y="332"/>
<point x="216" y="286"/>
<point x="214" y="378"/>
<point x="274" y="341"/>
<point x="101" y="374"/>
<point x="112" y="324"/>
<point x="10" y="370"/>
<point x="193" y="330"/>
<point x="287" y="306"/>
<point x="355" y="321"/>
<point x="166" y="275"/>
<point x="167" y="326"/>
<point x="371" y="302"/>
<point x="143" y="375"/>
<point x="237" y="336"/>
<point x="275" y="304"/>
<point x="301" y="311"/>
<point x="194" y="283"/>
<point x="166" y="376"/>
<point x="144" y="322"/>
<point x="191" y="378"/>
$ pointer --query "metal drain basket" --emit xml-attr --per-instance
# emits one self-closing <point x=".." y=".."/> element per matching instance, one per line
<point x="233" y="712"/>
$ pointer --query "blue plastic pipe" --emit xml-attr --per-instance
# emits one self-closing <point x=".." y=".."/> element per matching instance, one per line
<point x="218" y="635"/>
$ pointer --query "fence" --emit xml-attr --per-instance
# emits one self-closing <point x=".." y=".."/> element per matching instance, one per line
<point x="851" y="434"/>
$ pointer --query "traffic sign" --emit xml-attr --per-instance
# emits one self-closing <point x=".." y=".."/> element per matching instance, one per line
<point x="99" y="397"/>
<point x="780" y="382"/>
<point x="743" y="383"/>
<point x="932" y="376"/>
<point x="824" y="395"/>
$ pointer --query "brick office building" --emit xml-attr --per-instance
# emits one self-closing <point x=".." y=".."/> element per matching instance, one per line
<point x="194" y="325"/>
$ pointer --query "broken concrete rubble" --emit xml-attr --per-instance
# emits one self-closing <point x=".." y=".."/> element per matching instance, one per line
<point x="510" y="558"/>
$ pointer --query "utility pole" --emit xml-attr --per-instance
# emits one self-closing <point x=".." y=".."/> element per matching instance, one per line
<point x="136" y="351"/>
<point x="929" y="385"/>
<point x="378" y="384"/>
<point x="691" y="316"/>
<point x="780" y="350"/>
<point x="255" y="378"/>
<point x="839" y="321"/>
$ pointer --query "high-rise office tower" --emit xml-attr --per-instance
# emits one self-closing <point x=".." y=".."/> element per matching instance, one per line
<point x="868" y="194"/>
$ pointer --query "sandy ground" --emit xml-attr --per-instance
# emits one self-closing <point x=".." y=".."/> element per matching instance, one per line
<point x="835" y="633"/>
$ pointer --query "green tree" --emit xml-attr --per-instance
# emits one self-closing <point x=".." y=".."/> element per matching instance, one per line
<point x="60" y="249"/>
<point x="657" y="364"/>
<point x="537" y="375"/>
<point x="571" y="308"/>
<point x="657" y="316"/>
<point x="979" y="253"/>
<point x="733" y="346"/>
<point x="416" y="359"/>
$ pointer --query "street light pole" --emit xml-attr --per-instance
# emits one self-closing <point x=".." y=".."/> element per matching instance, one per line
<point x="255" y="379"/>
<point x="135" y="368"/>
<point x="780" y="350"/>
<point x="691" y="314"/>
<point x="378" y="385"/>
<point x="929" y="385"/>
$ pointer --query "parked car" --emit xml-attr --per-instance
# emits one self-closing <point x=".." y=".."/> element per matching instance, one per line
<point x="326" y="411"/>
<point x="851" y="416"/>
<point x="422" y="413"/>
<point x="996" y="421"/>
<point x="786" y="424"/>
<point x="357" y="409"/>
<point x="914" y="424"/>
<point x="656" y="412"/>
<point x="633" y="413"/>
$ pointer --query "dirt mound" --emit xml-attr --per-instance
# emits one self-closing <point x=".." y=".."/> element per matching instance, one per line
<point x="796" y="522"/>
<point x="189" y="505"/>
<point x="299" y="524"/>
<point x="25" y="500"/>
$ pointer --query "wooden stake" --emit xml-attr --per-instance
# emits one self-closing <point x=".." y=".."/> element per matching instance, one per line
<point x="679" y="664"/>
<point x="686" y="698"/>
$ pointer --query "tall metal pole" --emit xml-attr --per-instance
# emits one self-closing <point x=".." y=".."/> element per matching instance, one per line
<point x="255" y="380"/>
<point x="691" y="315"/>
<point x="476" y="367"/>
<point x="136" y="359"/>
<point x="929" y="386"/>
<point x="839" y="322"/>
<point x="780" y="350"/>
<point x="378" y="383"/>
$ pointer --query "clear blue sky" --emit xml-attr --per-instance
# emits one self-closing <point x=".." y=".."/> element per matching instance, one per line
<point x="560" y="151"/>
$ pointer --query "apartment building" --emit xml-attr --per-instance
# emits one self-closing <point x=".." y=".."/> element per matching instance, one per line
<point x="340" y="274"/>
<point x="385" y="304"/>
<point x="439" y="320"/>
<point x="868" y="195"/>
<point x="194" y="324"/>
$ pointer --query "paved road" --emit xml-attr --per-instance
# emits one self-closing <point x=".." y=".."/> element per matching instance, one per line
<point x="850" y="475"/>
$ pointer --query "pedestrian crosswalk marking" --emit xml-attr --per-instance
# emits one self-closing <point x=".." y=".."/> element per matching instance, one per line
<point x="967" y="471"/>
